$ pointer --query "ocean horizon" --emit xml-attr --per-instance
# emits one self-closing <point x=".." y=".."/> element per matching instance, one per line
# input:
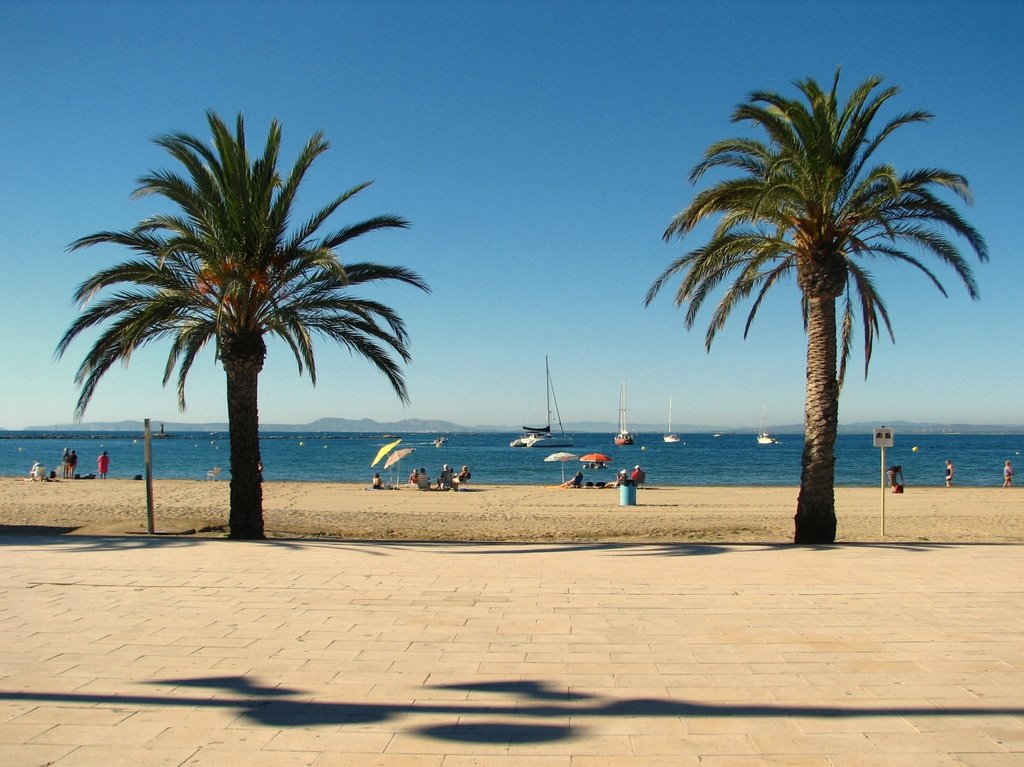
<point x="699" y="459"/>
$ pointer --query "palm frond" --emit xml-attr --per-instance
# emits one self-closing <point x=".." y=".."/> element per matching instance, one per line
<point x="224" y="263"/>
<point x="804" y="200"/>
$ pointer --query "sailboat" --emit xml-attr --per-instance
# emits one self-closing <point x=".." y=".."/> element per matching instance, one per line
<point x="625" y="436"/>
<point x="670" y="436"/>
<point x="541" y="436"/>
<point x="763" y="437"/>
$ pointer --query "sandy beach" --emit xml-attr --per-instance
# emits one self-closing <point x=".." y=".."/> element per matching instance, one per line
<point x="510" y="512"/>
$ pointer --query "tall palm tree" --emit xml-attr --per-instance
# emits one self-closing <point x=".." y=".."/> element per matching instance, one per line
<point x="808" y="202"/>
<point x="226" y="269"/>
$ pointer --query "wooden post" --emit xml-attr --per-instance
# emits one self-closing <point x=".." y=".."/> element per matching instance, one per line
<point x="148" y="456"/>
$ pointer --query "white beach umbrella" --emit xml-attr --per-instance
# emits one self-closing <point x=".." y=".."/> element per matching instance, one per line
<point x="394" y="458"/>
<point x="561" y="457"/>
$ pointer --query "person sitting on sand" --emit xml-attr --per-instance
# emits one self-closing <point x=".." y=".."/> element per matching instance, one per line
<point x="378" y="483"/>
<point x="575" y="482"/>
<point x="414" y="477"/>
<point x="620" y="479"/>
<point x="462" y="477"/>
<point x="639" y="475"/>
<point x="422" y="479"/>
<point x="444" y="479"/>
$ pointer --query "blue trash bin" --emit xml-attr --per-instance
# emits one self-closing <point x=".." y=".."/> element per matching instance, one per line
<point x="627" y="493"/>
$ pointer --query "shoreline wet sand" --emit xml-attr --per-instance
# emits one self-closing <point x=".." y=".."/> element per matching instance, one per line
<point x="511" y="513"/>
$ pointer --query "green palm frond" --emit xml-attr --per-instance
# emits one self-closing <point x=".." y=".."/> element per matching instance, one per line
<point x="227" y="263"/>
<point x="806" y="201"/>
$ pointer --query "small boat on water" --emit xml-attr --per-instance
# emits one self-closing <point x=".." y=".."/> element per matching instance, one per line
<point x="624" y="435"/>
<point x="763" y="437"/>
<point x="670" y="436"/>
<point x="440" y="441"/>
<point x="541" y="436"/>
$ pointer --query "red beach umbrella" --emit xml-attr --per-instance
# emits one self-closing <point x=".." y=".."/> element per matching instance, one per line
<point x="595" y="458"/>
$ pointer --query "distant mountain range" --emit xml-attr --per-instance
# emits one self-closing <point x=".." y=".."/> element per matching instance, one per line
<point x="436" y="426"/>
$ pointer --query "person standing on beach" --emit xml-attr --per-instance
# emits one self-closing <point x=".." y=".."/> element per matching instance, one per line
<point x="1007" y="474"/>
<point x="72" y="463"/>
<point x="103" y="464"/>
<point x="896" y="485"/>
<point x="65" y="463"/>
<point x="949" y="473"/>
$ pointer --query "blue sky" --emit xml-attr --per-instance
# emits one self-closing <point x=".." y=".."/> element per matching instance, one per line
<point x="539" y="150"/>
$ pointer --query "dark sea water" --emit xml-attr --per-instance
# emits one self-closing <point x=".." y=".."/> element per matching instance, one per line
<point x="701" y="459"/>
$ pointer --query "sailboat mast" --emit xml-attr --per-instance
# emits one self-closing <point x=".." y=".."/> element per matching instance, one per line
<point x="622" y="406"/>
<point x="547" y="388"/>
<point x="552" y="398"/>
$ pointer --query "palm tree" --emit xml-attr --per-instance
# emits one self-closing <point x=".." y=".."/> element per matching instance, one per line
<point x="226" y="269"/>
<point x="807" y="202"/>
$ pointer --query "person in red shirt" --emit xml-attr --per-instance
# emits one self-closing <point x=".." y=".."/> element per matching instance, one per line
<point x="638" y="475"/>
<point x="103" y="464"/>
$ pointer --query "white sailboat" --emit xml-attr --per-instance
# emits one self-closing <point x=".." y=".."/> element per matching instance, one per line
<point x="763" y="437"/>
<point x="541" y="436"/>
<point x="624" y="436"/>
<point x="670" y="436"/>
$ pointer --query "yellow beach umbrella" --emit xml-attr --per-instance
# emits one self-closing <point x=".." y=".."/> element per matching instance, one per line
<point x="384" y="451"/>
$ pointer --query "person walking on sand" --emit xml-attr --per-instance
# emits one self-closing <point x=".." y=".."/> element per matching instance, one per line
<point x="103" y="464"/>
<point x="949" y="473"/>
<point x="1007" y="474"/>
<point x="896" y="485"/>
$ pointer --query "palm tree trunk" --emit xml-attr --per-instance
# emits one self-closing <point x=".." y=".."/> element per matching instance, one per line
<point x="816" y="506"/>
<point x="243" y="361"/>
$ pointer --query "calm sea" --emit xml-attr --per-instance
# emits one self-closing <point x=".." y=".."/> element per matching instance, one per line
<point x="701" y="459"/>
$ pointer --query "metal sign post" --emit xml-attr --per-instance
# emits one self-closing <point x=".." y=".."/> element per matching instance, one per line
<point x="883" y="439"/>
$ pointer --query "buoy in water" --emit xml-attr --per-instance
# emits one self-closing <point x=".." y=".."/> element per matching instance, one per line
<point x="914" y="449"/>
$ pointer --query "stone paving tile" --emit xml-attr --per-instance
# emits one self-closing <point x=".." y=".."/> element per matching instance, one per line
<point x="232" y="757"/>
<point x="914" y="760"/>
<point x="224" y="653"/>
<point x="988" y="760"/>
<point x="625" y="760"/>
<point x="476" y="760"/>
<point x="208" y="737"/>
<point x="766" y="760"/>
<point x="115" y="736"/>
<point x="33" y="754"/>
<point x="702" y="745"/>
<point x="123" y="756"/>
<point x="382" y="760"/>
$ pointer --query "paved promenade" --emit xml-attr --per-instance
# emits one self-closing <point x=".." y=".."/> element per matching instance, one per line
<point x="174" y="651"/>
